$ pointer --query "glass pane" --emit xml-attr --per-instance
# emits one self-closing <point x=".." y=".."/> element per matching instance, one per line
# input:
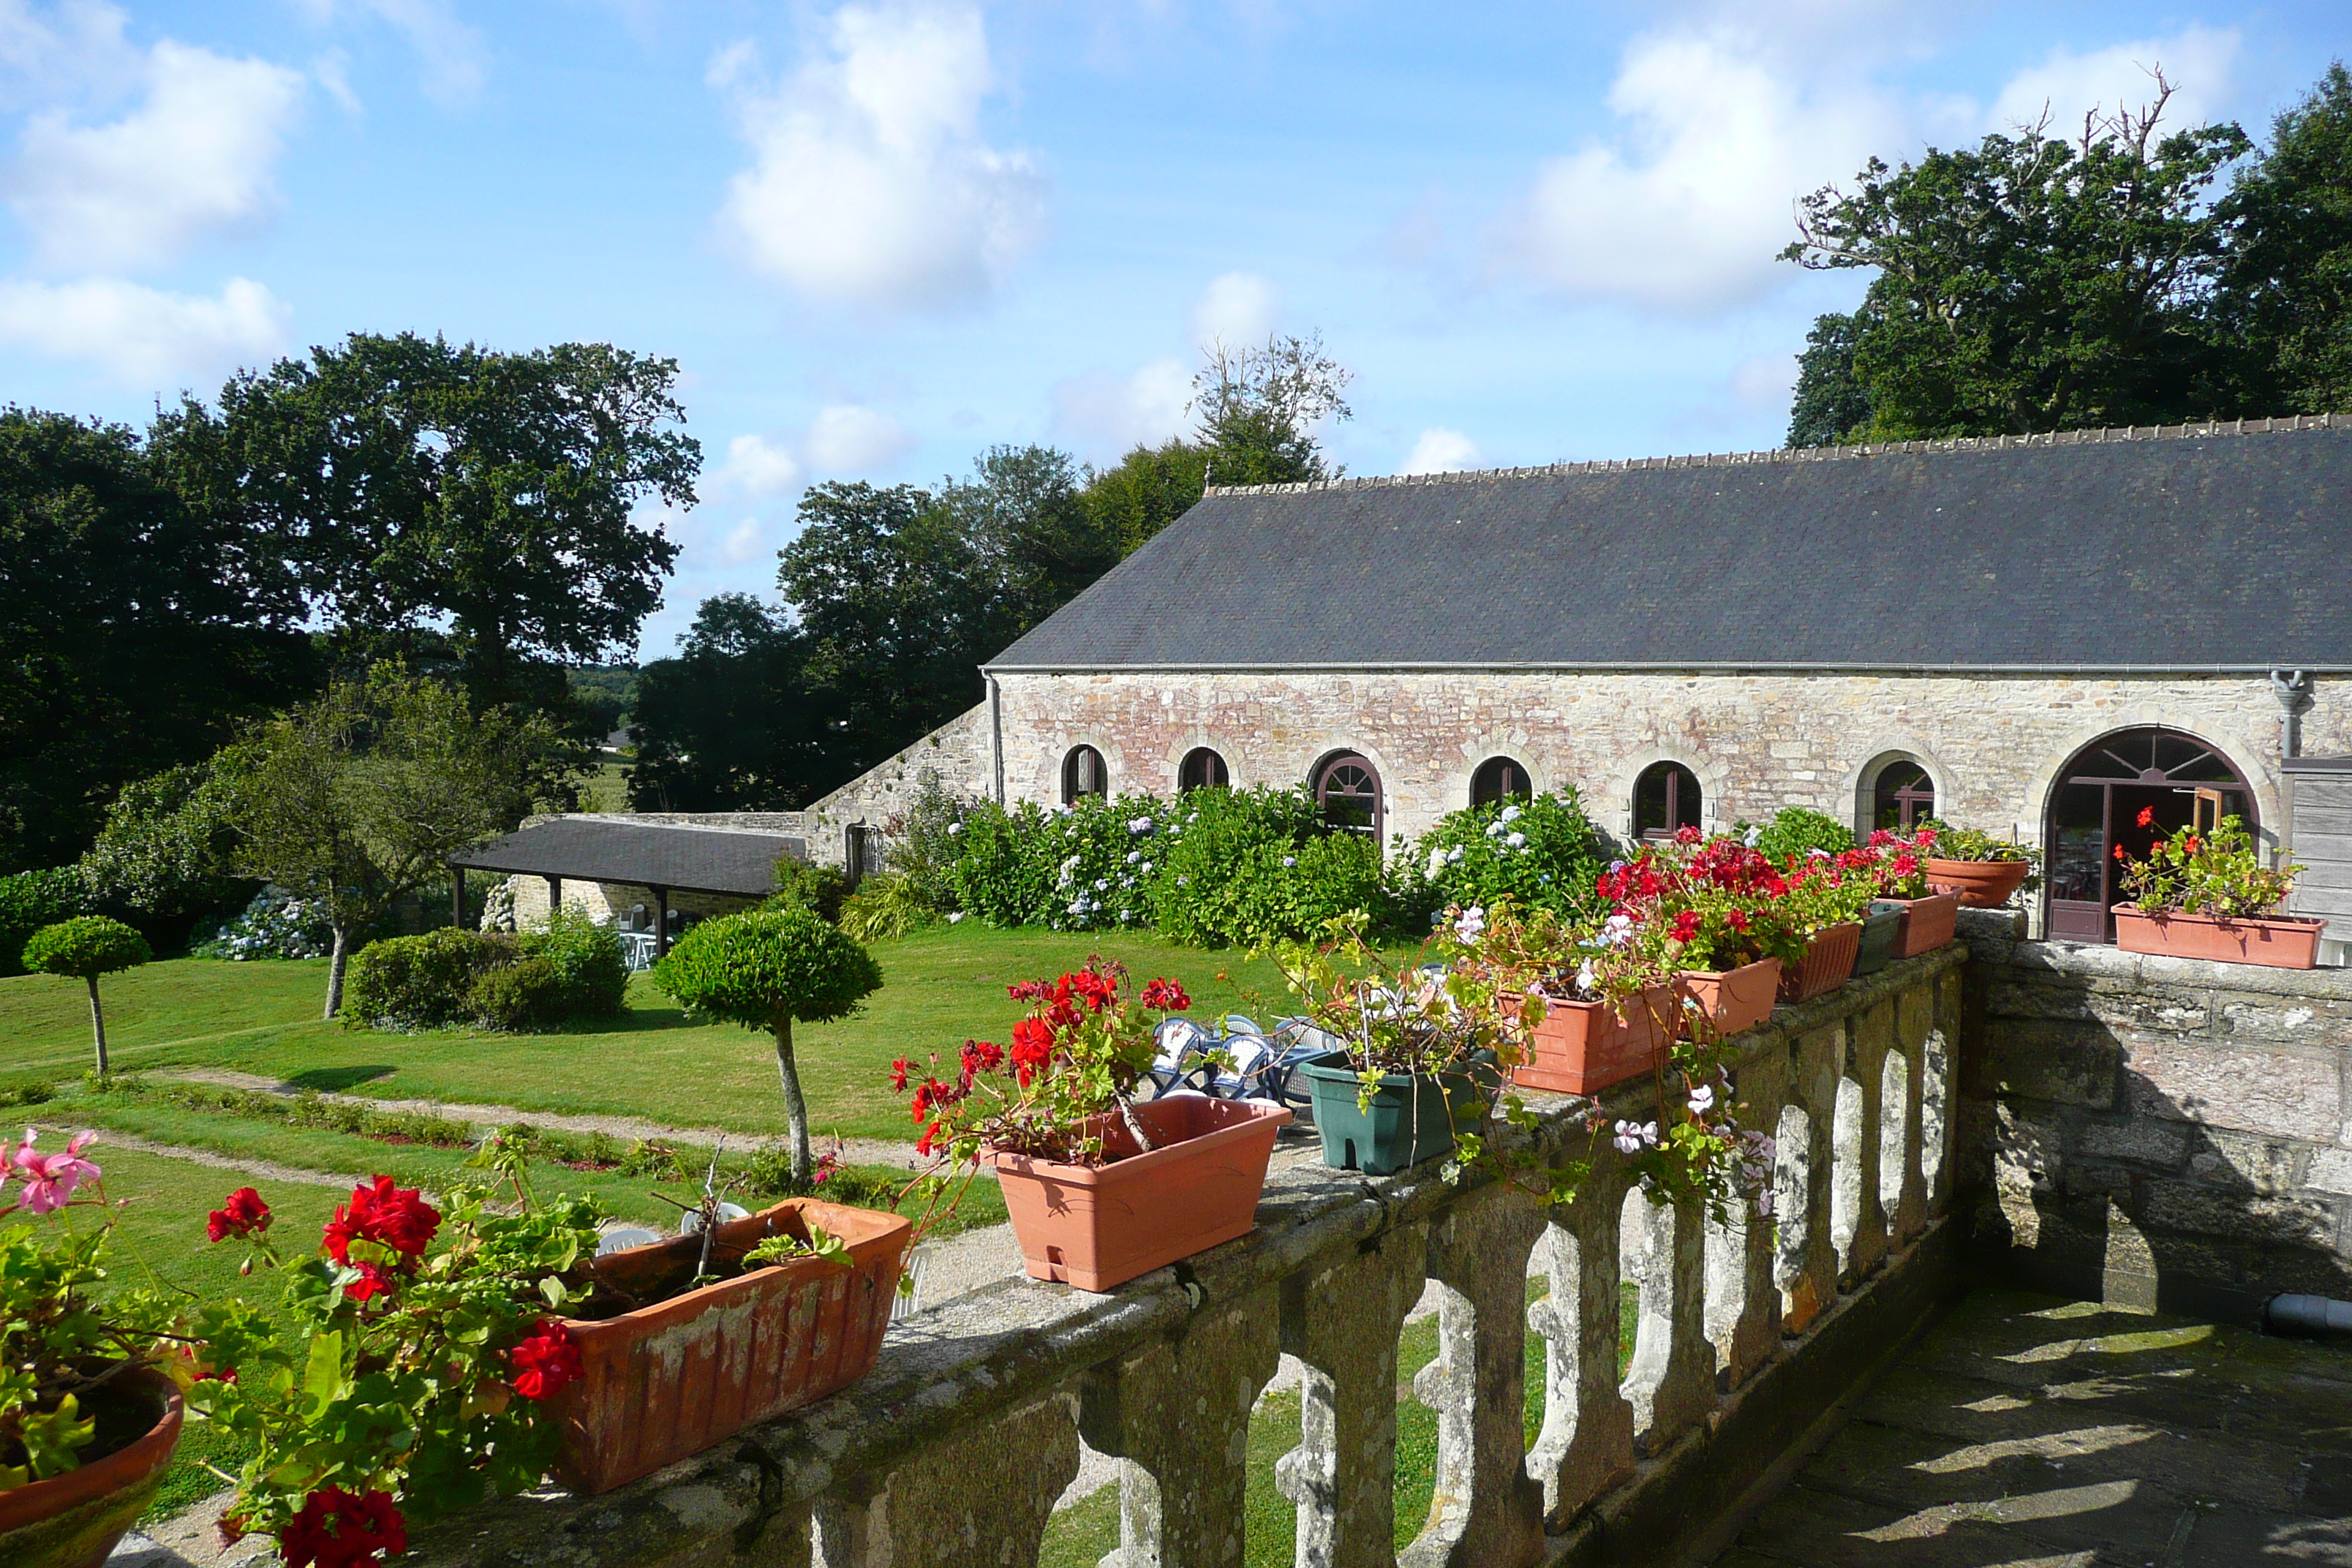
<point x="1650" y="800"/>
<point x="1687" y="801"/>
<point x="2078" y="844"/>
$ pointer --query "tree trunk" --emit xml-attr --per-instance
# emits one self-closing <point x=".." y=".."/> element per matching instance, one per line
<point x="97" y="1024"/>
<point x="795" y="1108"/>
<point x="335" y="973"/>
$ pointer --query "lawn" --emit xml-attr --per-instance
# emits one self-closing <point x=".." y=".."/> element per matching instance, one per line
<point x="939" y="988"/>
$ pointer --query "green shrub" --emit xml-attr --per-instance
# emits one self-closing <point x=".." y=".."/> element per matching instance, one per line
<point x="1540" y="854"/>
<point x="997" y="877"/>
<point x="885" y="907"/>
<point x="926" y="841"/>
<point x="31" y="899"/>
<point x="1793" y="830"/>
<point x="522" y="997"/>
<point x="818" y="889"/>
<point x="591" y="971"/>
<point x="1093" y="866"/>
<point x="420" y="982"/>
<point x="1245" y="866"/>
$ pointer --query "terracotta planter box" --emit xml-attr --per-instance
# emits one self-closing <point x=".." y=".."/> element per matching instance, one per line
<point x="673" y="1377"/>
<point x="2274" y="943"/>
<point x="1582" y="1047"/>
<point x="1927" y="924"/>
<point x="1098" y="1227"/>
<point x="1828" y="963"/>
<point x="73" y="1520"/>
<point x="1981" y="884"/>
<point x="1736" y="1000"/>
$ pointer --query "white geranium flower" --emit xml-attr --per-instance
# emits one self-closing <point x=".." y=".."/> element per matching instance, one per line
<point x="1753" y="834"/>
<point x="1701" y="1099"/>
<point x="1628" y="1138"/>
<point x="1471" y="924"/>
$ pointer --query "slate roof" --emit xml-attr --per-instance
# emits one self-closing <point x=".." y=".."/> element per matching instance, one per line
<point x="661" y="855"/>
<point x="2203" y="547"/>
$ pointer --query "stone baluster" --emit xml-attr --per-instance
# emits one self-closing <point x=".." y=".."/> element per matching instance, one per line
<point x="1908" y="1186"/>
<point x="1178" y="1412"/>
<point x="1341" y="1318"/>
<point x="1935" y="1022"/>
<point x="1808" y="1266"/>
<point x="1587" y="1443"/>
<point x="1671" y="1385"/>
<point x="1869" y="1035"/>
<point x="1743" y="1305"/>
<point x="1487" y="1510"/>
<point x="981" y="1494"/>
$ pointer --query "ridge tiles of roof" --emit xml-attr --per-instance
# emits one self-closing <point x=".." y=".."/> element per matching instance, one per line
<point x="1815" y="454"/>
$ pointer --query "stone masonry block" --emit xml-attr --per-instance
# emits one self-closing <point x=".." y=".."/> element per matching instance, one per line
<point x="2029" y="1150"/>
<point x="2266" y="1092"/>
<point x="2311" y="1021"/>
<point x="2331" y="1171"/>
<point x="2019" y="995"/>
<point x="2167" y="1204"/>
<point x="2071" y="1063"/>
<point x="2138" y="1139"/>
<point x="2242" y="1161"/>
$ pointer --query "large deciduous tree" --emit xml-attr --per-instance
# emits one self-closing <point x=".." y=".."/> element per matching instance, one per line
<point x="2284" y="301"/>
<point x="422" y="488"/>
<point x="138" y="630"/>
<point x="732" y="724"/>
<point x="363" y="796"/>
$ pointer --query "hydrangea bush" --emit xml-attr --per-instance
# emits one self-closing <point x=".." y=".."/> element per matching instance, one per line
<point x="1537" y="854"/>
<point x="275" y="925"/>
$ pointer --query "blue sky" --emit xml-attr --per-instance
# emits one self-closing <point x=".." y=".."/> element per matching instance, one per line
<point x="879" y="238"/>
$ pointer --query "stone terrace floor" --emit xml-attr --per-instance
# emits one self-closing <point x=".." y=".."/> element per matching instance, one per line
<point x="2029" y="1433"/>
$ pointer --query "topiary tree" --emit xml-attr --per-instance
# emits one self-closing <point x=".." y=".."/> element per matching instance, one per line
<point x="83" y="948"/>
<point x="763" y="969"/>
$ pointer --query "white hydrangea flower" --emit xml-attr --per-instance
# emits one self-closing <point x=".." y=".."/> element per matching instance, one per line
<point x="1288" y="860"/>
<point x="1515" y="840"/>
<point x="1510" y="814"/>
<point x="1138" y="825"/>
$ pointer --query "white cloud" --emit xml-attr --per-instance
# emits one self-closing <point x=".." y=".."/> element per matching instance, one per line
<point x="1238" y="310"/>
<point x="755" y="468"/>
<point x="76" y="47"/>
<point x="1105" y="414"/>
<point x="455" y="59"/>
<point x="1765" y="381"/>
<point x="2201" y="63"/>
<point x="870" y="182"/>
<point x="848" y="439"/>
<point x="744" y="544"/>
<point x="1440" y="451"/>
<point x="196" y="155"/>
<point x="1722" y="122"/>
<point x="144" y="337"/>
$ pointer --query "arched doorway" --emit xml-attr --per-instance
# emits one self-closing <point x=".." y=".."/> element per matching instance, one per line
<point x="1348" y="792"/>
<point x="2095" y="807"/>
<point x="1903" y="797"/>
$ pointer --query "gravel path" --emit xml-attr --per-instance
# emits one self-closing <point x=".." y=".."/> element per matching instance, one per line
<point x="629" y="1129"/>
<point x="267" y="1170"/>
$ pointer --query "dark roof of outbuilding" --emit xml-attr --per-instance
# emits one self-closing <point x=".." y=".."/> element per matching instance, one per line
<point x="2198" y="547"/>
<point x="660" y="854"/>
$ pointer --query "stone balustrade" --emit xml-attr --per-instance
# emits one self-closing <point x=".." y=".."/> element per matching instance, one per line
<point x="955" y="1450"/>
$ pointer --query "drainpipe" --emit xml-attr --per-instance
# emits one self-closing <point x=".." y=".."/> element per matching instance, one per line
<point x="2292" y="690"/>
<point x="2312" y="1315"/>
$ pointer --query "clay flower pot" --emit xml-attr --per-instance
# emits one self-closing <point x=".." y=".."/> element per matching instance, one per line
<point x="1101" y="1225"/>
<point x="1880" y="927"/>
<point x="691" y="1368"/>
<point x="1828" y="963"/>
<point x="2273" y="942"/>
<point x="1981" y="884"/>
<point x="1583" y="1047"/>
<point x="1735" y="1000"/>
<point x="73" y="1520"/>
<point x="1927" y="924"/>
<point x="1412" y="1117"/>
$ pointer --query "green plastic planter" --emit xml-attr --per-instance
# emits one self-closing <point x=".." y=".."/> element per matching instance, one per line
<point x="1879" y="929"/>
<point x="1407" y="1122"/>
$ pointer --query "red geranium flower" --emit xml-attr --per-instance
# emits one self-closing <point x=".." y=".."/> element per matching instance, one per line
<point x="396" y="1217"/>
<point x="2147" y="816"/>
<point x="1166" y="995"/>
<point x="2119" y="853"/>
<point x="1687" y="925"/>
<point x="372" y="1282"/>
<point x="337" y="1529"/>
<point x="1091" y="986"/>
<point x="544" y="1361"/>
<point x="244" y="1214"/>
<point x="1033" y="1048"/>
<point x="932" y="1135"/>
<point x="898" y="1075"/>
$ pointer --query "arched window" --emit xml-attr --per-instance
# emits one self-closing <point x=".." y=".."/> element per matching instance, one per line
<point x="1665" y="799"/>
<point x="2095" y="809"/>
<point x="1083" y="774"/>
<point x="1500" y="778"/>
<point x="1349" y="791"/>
<point x="1202" y="769"/>
<point x="1903" y="796"/>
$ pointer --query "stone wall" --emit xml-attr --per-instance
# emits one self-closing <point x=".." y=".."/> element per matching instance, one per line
<point x="606" y="902"/>
<point x="2157" y="1132"/>
<point x="1993" y="744"/>
<point x="958" y="752"/>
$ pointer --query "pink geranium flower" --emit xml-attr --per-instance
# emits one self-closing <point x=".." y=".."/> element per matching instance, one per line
<point x="49" y="1179"/>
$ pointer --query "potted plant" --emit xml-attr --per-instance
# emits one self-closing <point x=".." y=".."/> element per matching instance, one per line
<point x="1929" y="919"/>
<point x="1827" y="906"/>
<point x="1426" y="1046"/>
<point x="90" y="1407"/>
<point x="491" y="1334"/>
<point x="2208" y="895"/>
<point x="1985" y="871"/>
<point x="1717" y="908"/>
<point x="1100" y="1188"/>
<point x="1594" y="1000"/>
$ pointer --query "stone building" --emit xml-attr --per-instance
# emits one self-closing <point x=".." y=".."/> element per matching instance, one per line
<point x="2034" y="635"/>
